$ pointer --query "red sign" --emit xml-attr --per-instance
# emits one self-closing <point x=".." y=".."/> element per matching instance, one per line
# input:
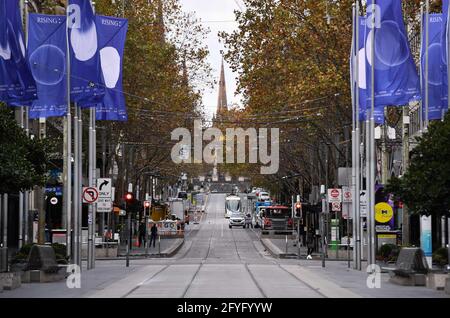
<point x="90" y="195"/>
<point x="335" y="193"/>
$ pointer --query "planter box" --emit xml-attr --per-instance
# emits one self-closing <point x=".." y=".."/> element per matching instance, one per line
<point x="11" y="280"/>
<point x="106" y="252"/>
<point x="37" y="276"/>
<point x="436" y="281"/>
<point x="447" y="285"/>
<point x="102" y="252"/>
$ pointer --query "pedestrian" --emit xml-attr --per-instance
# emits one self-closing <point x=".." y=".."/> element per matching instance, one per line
<point x="248" y="221"/>
<point x="142" y="236"/>
<point x="153" y="234"/>
<point x="310" y="243"/>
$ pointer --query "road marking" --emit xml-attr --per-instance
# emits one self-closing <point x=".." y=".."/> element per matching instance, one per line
<point x="255" y="281"/>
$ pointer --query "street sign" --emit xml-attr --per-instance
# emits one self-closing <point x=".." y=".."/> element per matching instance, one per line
<point x="363" y="204"/>
<point x="54" y="200"/>
<point x="104" y="186"/>
<point x="334" y="195"/>
<point x="104" y="205"/>
<point x="347" y="195"/>
<point x="90" y="195"/>
<point x="335" y="207"/>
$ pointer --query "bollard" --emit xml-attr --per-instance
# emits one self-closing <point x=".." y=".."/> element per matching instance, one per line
<point x="286" y="244"/>
<point x="159" y="245"/>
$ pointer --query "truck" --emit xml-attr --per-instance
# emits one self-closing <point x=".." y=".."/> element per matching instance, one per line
<point x="177" y="208"/>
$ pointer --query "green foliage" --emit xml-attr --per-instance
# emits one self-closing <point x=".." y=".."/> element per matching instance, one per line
<point x="23" y="161"/>
<point x="388" y="252"/>
<point x="60" y="250"/>
<point x="424" y="187"/>
<point x="440" y="256"/>
<point x="22" y="254"/>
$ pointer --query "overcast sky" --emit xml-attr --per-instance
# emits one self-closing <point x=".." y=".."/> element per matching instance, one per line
<point x="217" y="15"/>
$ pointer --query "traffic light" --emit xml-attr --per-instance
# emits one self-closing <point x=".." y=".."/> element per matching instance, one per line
<point x="147" y="205"/>
<point x="129" y="197"/>
<point x="298" y="210"/>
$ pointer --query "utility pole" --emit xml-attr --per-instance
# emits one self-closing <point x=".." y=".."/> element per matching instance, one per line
<point x="384" y="152"/>
<point x="40" y="193"/>
<point x="405" y="218"/>
<point x="71" y="236"/>
<point x="92" y="183"/>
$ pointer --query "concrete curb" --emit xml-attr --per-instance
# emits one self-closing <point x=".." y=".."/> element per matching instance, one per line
<point x="168" y="252"/>
<point x="274" y="250"/>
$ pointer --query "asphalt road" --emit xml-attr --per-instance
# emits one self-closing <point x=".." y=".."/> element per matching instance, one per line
<point x="218" y="262"/>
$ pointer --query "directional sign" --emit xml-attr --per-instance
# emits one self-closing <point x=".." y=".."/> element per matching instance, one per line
<point x="90" y="195"/>
<point x="334" y="195"/>
<point x="104" y="187"/>
<point x="363" y="203"/>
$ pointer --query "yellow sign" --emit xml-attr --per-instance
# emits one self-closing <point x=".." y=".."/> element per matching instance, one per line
<point x="383" y="212"/>
<point x="387" y="236"/>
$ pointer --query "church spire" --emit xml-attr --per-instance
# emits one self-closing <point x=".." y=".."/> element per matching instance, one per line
<point x="222" y="104"/>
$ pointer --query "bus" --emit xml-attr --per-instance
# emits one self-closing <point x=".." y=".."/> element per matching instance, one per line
<point x="232" y="205"/>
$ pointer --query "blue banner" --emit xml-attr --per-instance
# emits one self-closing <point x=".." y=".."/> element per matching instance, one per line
<point x="17" y="87"/>
<point x="444" y="44"/>
<point x="112" y="35"/>
<point x="435" y="67"/>
<point x="86" y="81"/>
<point x="47" y="57"/>
<point x="396" y="78"/>
<point x="379" y="111"/>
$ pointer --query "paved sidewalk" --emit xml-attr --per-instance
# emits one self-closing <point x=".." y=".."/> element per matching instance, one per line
<point x="166" y="247"/>
<point x="280" y="248"/>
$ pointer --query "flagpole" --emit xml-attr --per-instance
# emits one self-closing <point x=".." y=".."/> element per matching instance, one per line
<point x="67" y="172"/>
<point x="371" y="151"/>
<point x="92" y="183"/>
<point x="421" y="117"/>
<point x="26" y="199"/>
<point x="448" y="64"/>
<point x="76" y="191"/>
<point x="427" y="41"/>
<point x="21" y="123"/>
<point x="354" y="87"/>
<point x="80" y="182"/>
<point x="357" y="220"/>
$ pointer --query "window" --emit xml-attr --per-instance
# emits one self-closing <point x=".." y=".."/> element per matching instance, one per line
<point x="233" y="205"/>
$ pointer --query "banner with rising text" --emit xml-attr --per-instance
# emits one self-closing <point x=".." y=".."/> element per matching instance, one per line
<point x="362" y="85"/>
<point x="112" y="36"/>
<point x="437" y="105"/>
<point x="47" y="57"/>
<point x="396" y="78"/>
<point x="86" y="83"/>
<point x="17" y="87"/>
